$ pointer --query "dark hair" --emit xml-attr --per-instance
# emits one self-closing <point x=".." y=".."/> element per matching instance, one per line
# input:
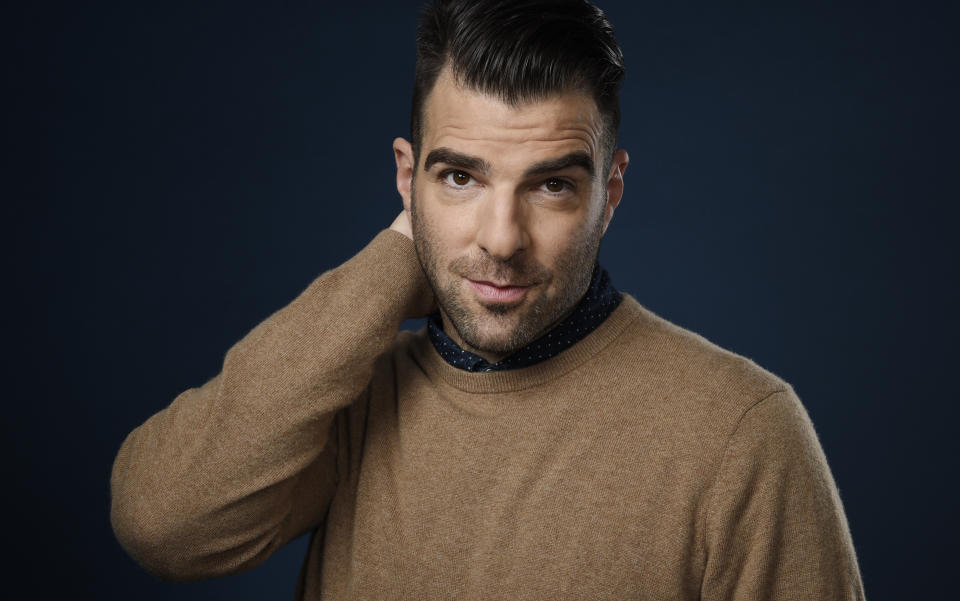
<point x="519" y="51"/>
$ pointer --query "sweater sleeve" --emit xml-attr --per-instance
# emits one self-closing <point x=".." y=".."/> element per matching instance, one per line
<point x="775" y="525"/>
<point x="230" y="471"/>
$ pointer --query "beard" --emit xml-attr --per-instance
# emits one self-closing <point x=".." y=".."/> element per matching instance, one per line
<point x="504" y="328"/>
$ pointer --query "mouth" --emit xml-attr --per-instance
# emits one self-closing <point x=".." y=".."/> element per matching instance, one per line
<point x="490" y="292"/>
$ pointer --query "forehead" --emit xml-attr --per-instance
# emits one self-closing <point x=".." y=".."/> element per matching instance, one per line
<point x="482" y="125"/>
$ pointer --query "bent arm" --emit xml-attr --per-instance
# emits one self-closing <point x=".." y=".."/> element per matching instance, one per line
<point x="775" y="524"/>
<point x="230" y="471"/>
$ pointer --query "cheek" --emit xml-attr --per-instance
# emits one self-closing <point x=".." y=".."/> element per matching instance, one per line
<point x="571" y="252"/>
<point x="449" y="226"/>
<point x="440" y="231"/>
<point x="554" y="235"/>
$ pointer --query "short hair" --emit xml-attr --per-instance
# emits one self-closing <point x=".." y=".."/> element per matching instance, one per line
<point x="519" y="51"/>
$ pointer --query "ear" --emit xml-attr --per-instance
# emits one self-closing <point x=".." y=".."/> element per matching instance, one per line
<point x="614" y="185"/>
<point x="403" y="153"/>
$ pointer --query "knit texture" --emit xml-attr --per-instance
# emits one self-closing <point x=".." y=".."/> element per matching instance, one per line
<point x="643" y="462"/>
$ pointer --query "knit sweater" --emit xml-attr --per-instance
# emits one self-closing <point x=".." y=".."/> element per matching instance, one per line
<point x="642" y="463"/>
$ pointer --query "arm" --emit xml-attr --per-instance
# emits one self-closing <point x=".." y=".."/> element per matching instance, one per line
<point x="230" y="471"/>
<point x="775" y="525"/>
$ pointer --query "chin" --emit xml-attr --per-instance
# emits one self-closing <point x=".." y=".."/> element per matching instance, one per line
<point x="489" y="334"/>
<point x="495" y="345"/>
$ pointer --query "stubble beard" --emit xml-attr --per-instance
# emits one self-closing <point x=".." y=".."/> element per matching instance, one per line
<point x="499" y="328"/>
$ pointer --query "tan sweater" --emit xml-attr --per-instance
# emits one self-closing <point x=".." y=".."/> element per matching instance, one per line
<point x="642" y="463"/>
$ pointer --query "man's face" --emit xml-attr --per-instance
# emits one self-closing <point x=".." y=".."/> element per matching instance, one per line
<point x="508" y="206"/>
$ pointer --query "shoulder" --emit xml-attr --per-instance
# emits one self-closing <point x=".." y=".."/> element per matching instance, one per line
<point x="680" y="372"/>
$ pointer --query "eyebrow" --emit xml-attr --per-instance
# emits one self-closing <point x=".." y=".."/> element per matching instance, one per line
<point x="455" y="159"/>
<point x="451" y="157"/>
<point x="574" y="159"/>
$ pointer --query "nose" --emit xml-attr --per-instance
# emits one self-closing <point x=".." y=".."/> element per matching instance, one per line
<point x="501" y="228"/>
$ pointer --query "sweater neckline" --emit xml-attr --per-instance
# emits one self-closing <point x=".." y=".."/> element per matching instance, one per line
<point x="526" y="377"/>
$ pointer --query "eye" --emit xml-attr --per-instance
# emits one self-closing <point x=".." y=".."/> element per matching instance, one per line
<point x="555" y="185"/>
<point x="457" y="178"/>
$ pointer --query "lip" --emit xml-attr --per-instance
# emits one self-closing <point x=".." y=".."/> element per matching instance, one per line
<point x="493" y="293"/>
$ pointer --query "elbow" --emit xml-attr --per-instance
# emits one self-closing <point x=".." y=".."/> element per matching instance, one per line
<point x="183" y="546"/>
<point x="179" y="531"/>
<point x="153" y="541"/>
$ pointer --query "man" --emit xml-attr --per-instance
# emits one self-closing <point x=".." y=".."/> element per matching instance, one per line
<point x="545" y="437"/>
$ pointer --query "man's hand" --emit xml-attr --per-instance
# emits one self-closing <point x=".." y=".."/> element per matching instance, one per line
<point x="402" y="224"/>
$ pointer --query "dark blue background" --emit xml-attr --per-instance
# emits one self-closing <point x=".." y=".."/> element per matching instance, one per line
<point x="177" y="172"/>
